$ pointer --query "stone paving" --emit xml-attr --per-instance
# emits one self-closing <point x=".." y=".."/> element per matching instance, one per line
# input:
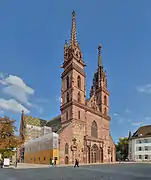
<point x="95" y="172"/>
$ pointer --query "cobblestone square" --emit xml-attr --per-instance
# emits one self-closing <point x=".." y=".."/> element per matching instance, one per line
<point x="95" y="172"/>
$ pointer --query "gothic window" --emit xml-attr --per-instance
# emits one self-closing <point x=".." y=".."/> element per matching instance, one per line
<point x="94" y="129"/>
<point x="67" y="82"/>
<point x="79" y="97"/>
<point x="78" y="114"/>
<point x="105" y="100"/>
<point x="105" y="111"/>
<point x="67" y="97"/>
<point x="79" y="82"/>
<point x="67" y="115"/>
<point x="66" y="148"/>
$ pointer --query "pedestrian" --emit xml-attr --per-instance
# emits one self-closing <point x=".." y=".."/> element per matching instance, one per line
<point x="1" y="163"/>
<point x="76" y="163"/>
<point x="52" y="162"/>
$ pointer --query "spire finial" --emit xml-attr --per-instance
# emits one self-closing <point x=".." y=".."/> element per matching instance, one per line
<point x="99" y="55"/>
<point x="73" y="40"/>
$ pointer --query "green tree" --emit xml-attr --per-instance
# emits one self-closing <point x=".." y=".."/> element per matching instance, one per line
<point x="122" y="149"/>
<point x="8" y="139"/>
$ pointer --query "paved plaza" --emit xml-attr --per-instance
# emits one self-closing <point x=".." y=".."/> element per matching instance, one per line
<point x="95" y="172"/>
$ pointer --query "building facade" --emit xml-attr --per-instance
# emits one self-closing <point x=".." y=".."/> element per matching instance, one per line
<point x="140" y="145"/>
<point x="84" y="124"/>
<point x="42" y="149"/>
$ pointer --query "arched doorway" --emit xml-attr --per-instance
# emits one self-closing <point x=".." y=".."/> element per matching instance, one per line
<point x="101" y="155"/>
<point x="66" y="160"/>
<point x="95" y="157"/>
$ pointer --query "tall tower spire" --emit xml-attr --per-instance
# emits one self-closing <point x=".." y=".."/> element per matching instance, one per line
<point x="99" y="55"/>
<point x="73" y="40"/>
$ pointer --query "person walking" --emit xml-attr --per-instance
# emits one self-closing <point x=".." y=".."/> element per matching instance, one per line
<point x="76" y="163"/>
<point x="1" y="163"/>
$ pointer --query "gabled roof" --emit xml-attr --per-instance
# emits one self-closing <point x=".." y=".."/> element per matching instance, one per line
<point x="34" y="121"/>
<point x="143" y="131"/>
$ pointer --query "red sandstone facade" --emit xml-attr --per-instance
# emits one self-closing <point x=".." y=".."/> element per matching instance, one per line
<point x="86" y="132"/>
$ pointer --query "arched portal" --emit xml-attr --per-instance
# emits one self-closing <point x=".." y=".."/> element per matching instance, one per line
<point x="95" y="154"/>
<point x="66" y="160"/>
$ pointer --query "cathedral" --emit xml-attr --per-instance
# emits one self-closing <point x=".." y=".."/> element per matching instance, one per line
<point x="83" y="125"/>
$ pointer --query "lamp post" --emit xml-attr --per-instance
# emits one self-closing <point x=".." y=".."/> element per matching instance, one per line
<point x="16" y="158"/>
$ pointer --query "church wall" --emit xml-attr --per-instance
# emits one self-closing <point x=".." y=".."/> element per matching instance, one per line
<point x="76" y="110"/>
<point x="65" y="137"/>
<point x="102" y="124"/>
<point x="76" y="90"/>
<point x="103" y="133"/>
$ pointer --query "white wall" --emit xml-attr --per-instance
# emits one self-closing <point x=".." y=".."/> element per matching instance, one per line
<point x="134" y="149"/>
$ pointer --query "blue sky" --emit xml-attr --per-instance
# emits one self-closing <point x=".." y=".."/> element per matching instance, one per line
<point x="32" y="36"/>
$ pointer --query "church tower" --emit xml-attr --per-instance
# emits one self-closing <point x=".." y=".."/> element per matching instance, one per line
<point x="99" y="87"/>
<point x="73" y="90"/>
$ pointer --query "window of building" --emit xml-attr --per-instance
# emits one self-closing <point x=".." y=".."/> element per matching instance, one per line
<point x="39" y="158"/>
<point x="67" y="82"/>
<point x="67" y="97"/>
<point x="79" y="97"/>
<point x="140" y="156"/>
<point x="146" y="148"/>
<point x="105" y="111"/>
<point x="105" y="100"/>
<point x="66" y="148"/>
<point x="78" y="114"/>
<point x="139" y="148"/>
<point x="67" y="115"/>
<point x="145" y="140"/>
<point x="94" y="129"/>
<point x="44" y="158"/>
<point x="79" y="82"/>
<point x="146" y="156"/>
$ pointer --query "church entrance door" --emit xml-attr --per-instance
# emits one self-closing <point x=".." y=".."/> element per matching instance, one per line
<point x="66" y="160"/>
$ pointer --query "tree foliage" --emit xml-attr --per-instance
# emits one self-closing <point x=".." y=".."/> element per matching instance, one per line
<point x="8" y="139"/>
<point x="122" y="148"/>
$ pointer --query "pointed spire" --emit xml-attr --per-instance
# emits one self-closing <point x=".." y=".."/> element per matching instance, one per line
<point x="130" y="134"/>
<point x="22" y="115"/>
<point x="66" y="44"/>
<point x="99" y="55"/>
<point x="73" y="40"/>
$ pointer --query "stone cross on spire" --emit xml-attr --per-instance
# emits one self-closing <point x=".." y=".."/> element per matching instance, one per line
<point x="73" y="40"/>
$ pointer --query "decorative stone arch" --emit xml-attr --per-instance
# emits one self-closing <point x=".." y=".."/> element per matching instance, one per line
<point x="94" y="129"/>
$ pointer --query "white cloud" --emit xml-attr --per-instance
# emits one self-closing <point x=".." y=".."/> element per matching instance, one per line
<point x="127" y="111"/>
<point x="137" y="123"/>
<point x="41" y="100"/>
<point x="147" y="118"/>
<point x="16" y="88"/>
<point x="116" y="114"/>
<point x="144" y="89"/>
<point x="12" y="105"/>
<point x="1" y="112"/>
<point x="120" y="120"/>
